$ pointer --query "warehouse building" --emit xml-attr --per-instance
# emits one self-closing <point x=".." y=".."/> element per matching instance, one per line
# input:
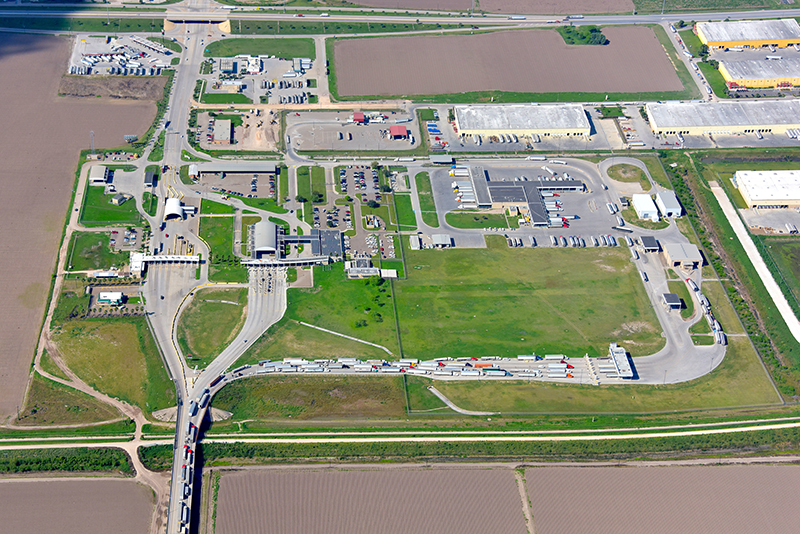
<point x="525" y="198"/>
<point x="749" y="33"/>
<point x="769" y="189"/>
<point x="703" y="118"/>
<point x="98" y="175"/>
<point x="222" y="132"/>
<point x="761" y="73"/>
<point x="668" y="204"/>
<point x="644" y="207"/>
<point x="683" y="255"/>
<point x="523" y="119"/>
<point x="264" y="238"/>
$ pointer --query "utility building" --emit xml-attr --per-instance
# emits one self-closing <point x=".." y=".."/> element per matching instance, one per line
<point x="769" y="189"/>
<point x="523" y="119"/>
<point x="668" y="204"/>
<point x="98" y="175"/>
<point x="264" y="238"/>
<point x="703" y="118"/>
<point x="782" y="73"/>
<point x="644" y="207"/>
<point x="110" y="298"/>
<point x="749" y="33"/>
<point x="683" y="255"/>
<point x="398" y="132"/>
<point x="222" y="132"/>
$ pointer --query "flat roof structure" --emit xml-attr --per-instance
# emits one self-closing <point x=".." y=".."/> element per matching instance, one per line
<point x="193" y="170"/>
<point x="441" y="159"/>
<point x="414" y="243"/>
<point x="683" y="254"/>
<point x="98" y="174"/>
<point x="480" y="185"/>
<point x="149" y="178"/>
<point x="442" y="240"/>
<point x="668" y="204"/>
<point x="109" y="297"/>
<point x="503" y="194"/>
<point x="227" y="64"/>
<point x="620" y="359"/>
<point x="222" y="131"/>
<point x="760" y="73"/>
<point x="769" y="189"/>
<point x="748" y="33"/>
<point x="650" y="243"/>
<point x="331" y="242"/>
<point x="522" y="119"/>
<point x="358" y="116"/>
<point x="701" y="118"/>
<point x="644" y="206"/>
<point x="671" y="300"/>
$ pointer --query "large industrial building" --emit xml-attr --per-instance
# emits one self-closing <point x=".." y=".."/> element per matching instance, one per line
<point x="268" y="239"/>
<point x="761" y="73"/>
<point x="523" y="119"/>
<point x="703" y="118"/>
<point x="644" y="207"/>
<point x="769" y="189"/>
<point x="749" y="33"/>
<point x="222" y="132"/>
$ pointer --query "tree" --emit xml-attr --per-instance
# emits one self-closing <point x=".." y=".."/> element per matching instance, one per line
<point x="301" y="199"/>
<point x="385" y="188"/>
<point x="373" y="204"/>
<point x="374" y="164"/>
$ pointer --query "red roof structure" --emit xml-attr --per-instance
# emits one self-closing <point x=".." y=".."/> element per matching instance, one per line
<point x="358" y="116"/>
<point x="398" y="132"/>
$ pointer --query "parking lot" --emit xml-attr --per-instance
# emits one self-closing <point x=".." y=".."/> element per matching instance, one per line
<point x="360" y="182"/>
<point x="127" y="55"/>
<point x="335" y="217"/>
<point x="271" y="80"/>
<point x="331" y="131"/>
<point x="240" y="185"/>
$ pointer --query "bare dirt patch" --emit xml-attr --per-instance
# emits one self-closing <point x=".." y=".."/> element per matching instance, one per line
<point x="40" y="154"/>
<point x="557" y="7"/>
<point x="658" y="500"/>
<point x="369" y="500"/>
<point x="435" y="5"/>
<point x="75" y="506"/>
<point x="144" y="88"/>
<point x="531" y="61"/>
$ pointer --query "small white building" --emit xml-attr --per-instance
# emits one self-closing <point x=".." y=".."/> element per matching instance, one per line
<point x="98" y="175"/>
<point x="668" y="204"/>
<point x="645" y="207"/>
<point x="111" y="298"/>
<point x="193" y="170"/>
<point x="173" y="209"/>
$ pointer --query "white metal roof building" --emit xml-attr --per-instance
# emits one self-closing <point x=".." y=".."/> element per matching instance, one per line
<point x="264" y="237"/>
<point x="620" y="359"/>
<point x="644" y="207"/>
<point x="110" y="297"/>
<point x="98" y="174"/>
<point x="222" y="131"/>
<point x="759" y="73"/>
<point x="702" y="118"/>
<point x="173" y="209"/>
<point x="683" y="254"/>
<point x="522" y="119"/>
<point x="668" y="204"/>
<point x="748" y="33"/>
<point x="769" y="189"/>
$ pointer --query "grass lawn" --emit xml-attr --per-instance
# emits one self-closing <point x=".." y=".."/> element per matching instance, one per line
<point x="504" y="302"/>
<point x="405" y="212"/>
<point x="691" y="41"/>
<point x="426" y="114"/>
<point x="224" y="98"/>
<point x="167" y="43"/>
<point x="383" y="211"/>
<point x="150" y="203"/>
<point x="282" y="48"/>
<point x="318" y="184"/>
<point x="687" y="306"/>
<point x="297" y="27"/>
<point x="91" y="250"/>
<point x="113" y="25"/>
<point x="785" y="254"/>
<point x="630" y="174"/>
<point x="738" y="381"/>
<point x="210" y="207"/>
<point x="476" y="219"/>
<point x="235" y="118"/>
<point x="656" y="170"/>
<point x="703" y="340"/>
<point x="50" y="366"/>
<point x="426" y="203"/>
<point x="611" y="112"/>
<point x="157" y="154"/>
<point x="396" y="264"/>
<point x="629" y="214"/>
<point x="700" y="327"/>
<point x="98" y="210"/>
<point x="118" y="357"/>
<point x="290" y="339"/>
<point x="266" y="204"/>
<point x="210" y="323"/>
<point x="183" y="173"/>
<point x="283" y="183"/>
<point x="218" y="234"/>
<point x="715" y="79"/>
<point x="188" y="156"/>
<point x="313" y="397"/>
<point x="50" y="403"/>
<point x="358" y="308"/>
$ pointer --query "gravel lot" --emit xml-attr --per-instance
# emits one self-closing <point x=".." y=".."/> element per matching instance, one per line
<point x="732" y="499"/>
<point x="377" y="501"/>
<point x="40" y="154"/>
<point x="536" y="61"/>
<point x="75" y="506"/>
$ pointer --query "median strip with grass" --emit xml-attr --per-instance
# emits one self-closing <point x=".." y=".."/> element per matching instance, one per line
<point x="210" y="323"/>
<point x="425" y="197"/>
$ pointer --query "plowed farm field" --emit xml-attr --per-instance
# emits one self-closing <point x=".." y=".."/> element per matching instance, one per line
<point x="377" y="501"/>
<point x="39" y="147"/>
<point x="75" y="506"/>
<point x="537" y="7"/>
<point x="734" y="499"/>
<point x="529" y="61"/>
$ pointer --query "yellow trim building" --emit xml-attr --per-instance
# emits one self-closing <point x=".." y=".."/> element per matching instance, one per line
<point x="749" y="33"/>
<point x="759" y="74"/>
<point x="522" y="119"/>
<point x="731" y="117"/>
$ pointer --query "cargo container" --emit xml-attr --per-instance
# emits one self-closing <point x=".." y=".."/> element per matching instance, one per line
<point x="240" y="369"/>
<point x="563" y="241"/>
<point x="553" y="357"/>
<point x="496" y="372"/>
<point x="611" y="209"/>
<point x="536" y="158"/>
<point x="287" y="369"/>
<point x="603" y="240"/>
<point x="389" y="370"/>
<point x="364" y="369"/>
<point x="620" y="221"/>
<point x="186" y="490"/>
<point x="553" y="241"/>
<point x="561" y="374"/>
<point x="442" y="372"/>
<point x="185" y="512"/>
<point x="634" y="254"/>
<point x="415" y="371"/>
<point x="193" y="408"/>
<point x="556" y="365"/>
<point x="692" y="285"/>
<point x="532" y="240"/>
<point x="266" y="370"/>
<point x="558" y="162"/>
<point x="644" y="276"/>
<point x="471" y="372"/>
<point x="628" y="240"/>
<point x="204" y="399"/>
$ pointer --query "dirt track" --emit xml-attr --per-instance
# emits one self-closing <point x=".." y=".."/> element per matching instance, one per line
<point x="534" y="61"/>
<point x="398" y="501"/>
<point x="75" y="506"/>
<point x="39" y="148"/>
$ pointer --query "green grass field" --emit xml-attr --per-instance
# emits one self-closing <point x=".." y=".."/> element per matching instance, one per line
<point x="629" y="214"/>
<point x="235" y="118"/>
<point x="118" y="357"/>
<point x="384" y="211"/>
<point x="426" y="203"/>
<point x="684" y="6"/>
<point x="630" y="174"/>
<point x="318" y="184"/>
<point x="656" y="170"/>
<point x="211" y="207"/>
<point x="582" y="35"/>
<point x="150" y="203"/>
<point x="249" y="27"/>
<point x="715" y="79"/>
<point x="224" y="98"/>
<point x="282" y="48"/>
<point x="217" y="232"/>
<point x="313" y="397"/>
<point x="426" y="114"/>
<point x="476" y="219"/>
<point x="785" y="253"/>
<point x="358" y="308"/>
<point x="167" y="43"/>
<point x="91" y="250"/>
<point x="210" y="323"/>
<point x="692" y="41"/>
<point x="679" y="288"/>
<point x="114" y="24"/>
<point x="266" y="204"/>
<point x="738" y="381"/>
<point x="50" y="403"/>
<point x="157" y="154"/>
<point x="405" y="212"/>
<point x="49" y="366"/>
<point x="504" y="302"/>
<point x="97" y="209"/>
